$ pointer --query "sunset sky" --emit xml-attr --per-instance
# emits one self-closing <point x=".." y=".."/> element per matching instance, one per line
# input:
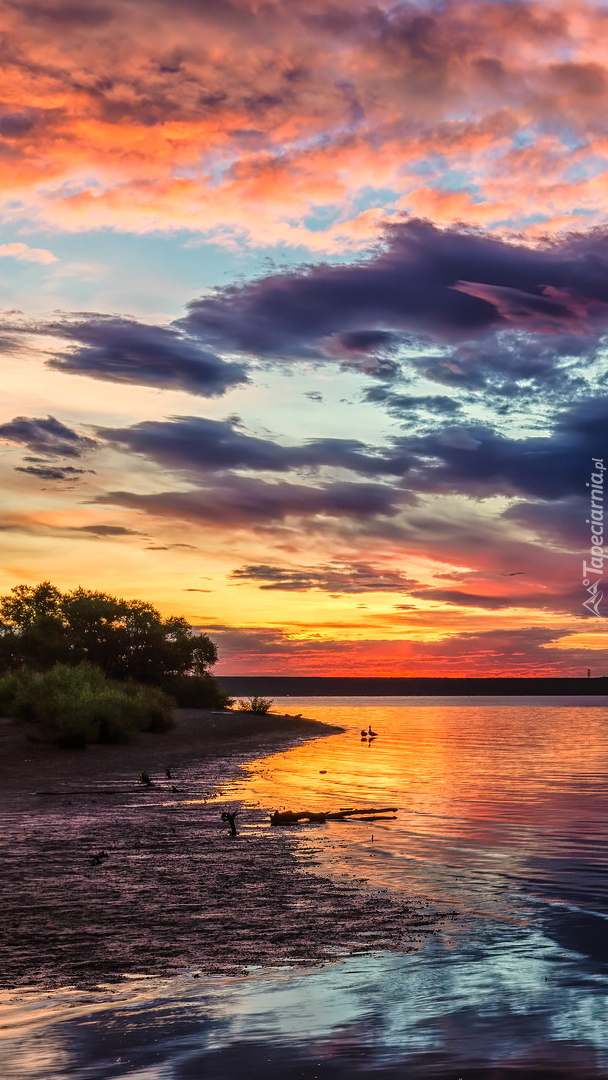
<point x="305" y="323"/>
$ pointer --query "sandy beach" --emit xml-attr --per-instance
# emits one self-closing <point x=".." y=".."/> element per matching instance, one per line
<point x="176" y="892"/>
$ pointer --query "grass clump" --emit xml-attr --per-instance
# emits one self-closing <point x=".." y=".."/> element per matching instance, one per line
<point x="259" y="705"/>
<point x="74" y="705"/>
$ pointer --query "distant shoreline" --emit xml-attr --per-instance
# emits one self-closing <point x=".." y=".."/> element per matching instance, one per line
<point x="332" y="686"/>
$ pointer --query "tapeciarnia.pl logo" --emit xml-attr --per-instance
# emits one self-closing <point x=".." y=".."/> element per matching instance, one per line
<point x="592" y="571"/>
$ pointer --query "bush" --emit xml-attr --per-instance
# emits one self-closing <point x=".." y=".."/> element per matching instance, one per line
<point x="259" y="705"/>
<point x="9" y="688"/>
<point x="196" y="692"/>
<point x="76" y="705"/>
<point x="150" y="707"/>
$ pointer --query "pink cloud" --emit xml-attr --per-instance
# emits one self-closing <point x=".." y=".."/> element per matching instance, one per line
<point x="27" y="254"/>
<point x="550" y="310"/>
<point x="240" y="121"/>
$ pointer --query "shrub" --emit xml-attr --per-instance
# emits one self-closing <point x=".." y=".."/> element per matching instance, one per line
<point x="150" y="707"/>
<point x="196" y="692"/>
<point x="76" y="705"/>
<point x="259" y="705"/>
<point x="9" y="688"/>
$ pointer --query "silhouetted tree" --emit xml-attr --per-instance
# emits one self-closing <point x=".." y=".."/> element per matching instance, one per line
<point x="128" y="639"/>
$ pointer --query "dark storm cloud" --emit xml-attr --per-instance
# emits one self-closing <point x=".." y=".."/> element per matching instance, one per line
<point x="248" y="502"/>
<point x="500" y="313"/>
<point x="514" y="362"/>
<point x="10" y="345"/>
<point x="560" y="522"/>
<point x="448" y="284"/>
<point x="46" y="436"/>
<point x="367" y="351"/>
<point x="407" y="406"/>
<point x="475" y="460"/>
<point x="466" y="459"/>
<point x="522" y="650"/>
<point x="357" y="577"/>
<point x="365" y="341"/>
<point x="197" y="443"/>
<point x="126" y="351"/>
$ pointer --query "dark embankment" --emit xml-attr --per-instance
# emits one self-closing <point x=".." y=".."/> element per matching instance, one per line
<point x="331" y="686"/>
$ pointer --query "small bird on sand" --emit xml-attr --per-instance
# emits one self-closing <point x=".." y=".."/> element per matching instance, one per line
<point x="145" y="779"/>
<point x="99" y="857"/>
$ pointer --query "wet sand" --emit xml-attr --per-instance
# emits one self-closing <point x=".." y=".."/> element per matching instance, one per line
<point x="176" y="892"/>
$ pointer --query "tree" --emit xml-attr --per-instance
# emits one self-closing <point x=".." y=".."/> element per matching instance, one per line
<point x="127" y="639"/>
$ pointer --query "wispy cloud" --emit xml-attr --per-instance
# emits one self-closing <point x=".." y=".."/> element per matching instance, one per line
<point x="333" y="578"/>
<point x="27" y="254"/>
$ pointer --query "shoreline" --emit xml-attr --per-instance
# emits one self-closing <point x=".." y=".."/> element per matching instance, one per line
<point x="199" y="735"/>
<point x="177" y="893"/>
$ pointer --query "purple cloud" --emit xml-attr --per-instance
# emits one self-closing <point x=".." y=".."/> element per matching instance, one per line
<point x="126" y="351"/>
<point x="46" y="436"/>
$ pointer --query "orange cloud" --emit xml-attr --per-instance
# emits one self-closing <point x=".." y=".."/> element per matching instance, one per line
<point x="244" y="121"/>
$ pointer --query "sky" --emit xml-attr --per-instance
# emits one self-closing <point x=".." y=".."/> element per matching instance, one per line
<point x="304" y="324"/>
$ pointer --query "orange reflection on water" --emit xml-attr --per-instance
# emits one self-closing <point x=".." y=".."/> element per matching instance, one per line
<point x="484" y="788"/>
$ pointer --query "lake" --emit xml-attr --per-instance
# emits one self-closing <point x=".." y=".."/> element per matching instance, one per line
<point x="503" y="817"/>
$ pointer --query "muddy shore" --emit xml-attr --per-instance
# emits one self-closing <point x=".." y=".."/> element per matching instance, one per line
<point x="176" y="891"/>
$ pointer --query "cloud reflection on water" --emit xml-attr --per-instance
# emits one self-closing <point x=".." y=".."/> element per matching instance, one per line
<point x="508" y="1002"/>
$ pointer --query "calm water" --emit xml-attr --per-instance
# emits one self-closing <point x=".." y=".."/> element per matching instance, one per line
<point x="498" y="801"/>
<point x="503" y="816"/>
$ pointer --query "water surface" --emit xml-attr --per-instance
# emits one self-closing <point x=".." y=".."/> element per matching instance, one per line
<point x="500" y="799"/>
<point x="502" y="815"/>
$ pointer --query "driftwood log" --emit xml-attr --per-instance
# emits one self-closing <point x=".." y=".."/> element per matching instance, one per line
<point x="290" y="817"/>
